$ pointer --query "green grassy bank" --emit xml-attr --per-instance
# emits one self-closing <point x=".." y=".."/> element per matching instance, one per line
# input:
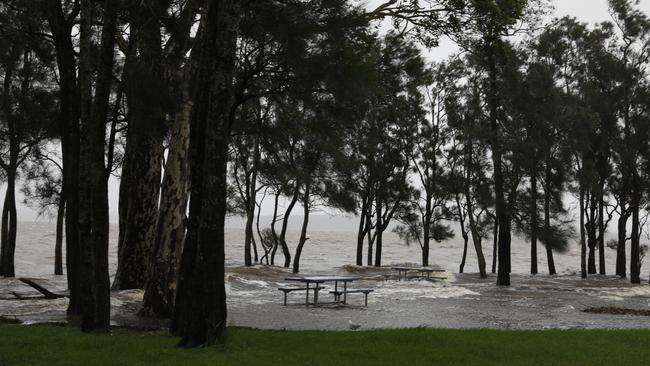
<point x="53" y="345"/>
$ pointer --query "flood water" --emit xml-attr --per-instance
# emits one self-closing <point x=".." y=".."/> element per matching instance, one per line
<point x="459" y="301"/>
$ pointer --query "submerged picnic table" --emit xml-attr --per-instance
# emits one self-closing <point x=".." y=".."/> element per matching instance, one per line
<point x="319" y="280"/>
<point x="425" y="272"/>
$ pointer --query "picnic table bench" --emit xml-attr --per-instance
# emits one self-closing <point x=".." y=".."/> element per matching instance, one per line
<point x="364" y="291"/>
<point x="287" y="290"/>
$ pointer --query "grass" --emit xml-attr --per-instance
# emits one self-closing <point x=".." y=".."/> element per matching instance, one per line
<point x="58" y="345"/>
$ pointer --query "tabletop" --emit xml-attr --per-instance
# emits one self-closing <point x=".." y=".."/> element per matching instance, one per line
<point x="323" y="278"/>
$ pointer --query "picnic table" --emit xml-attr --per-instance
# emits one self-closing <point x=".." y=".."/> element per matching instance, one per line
<point x="425" y="272"/>
<point x="319" y="280"/>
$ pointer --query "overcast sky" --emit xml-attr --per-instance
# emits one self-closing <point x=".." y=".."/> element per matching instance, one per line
<point x="590" y="11"/>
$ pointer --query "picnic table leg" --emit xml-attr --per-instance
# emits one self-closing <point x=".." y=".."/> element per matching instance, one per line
<point x="337" y="298"/>
<point x="345" y="292"/>
<point x="307" y="298"/>
<point x="316" y="294"/>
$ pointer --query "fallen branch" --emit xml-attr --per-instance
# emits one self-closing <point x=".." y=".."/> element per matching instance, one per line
<point x="47" y="293"/>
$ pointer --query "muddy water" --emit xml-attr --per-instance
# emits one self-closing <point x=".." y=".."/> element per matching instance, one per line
<point x="460" y="301"/>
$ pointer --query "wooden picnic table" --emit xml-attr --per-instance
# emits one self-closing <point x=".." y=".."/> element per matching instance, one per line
<point x="424" y="271"/>
<point x="318" y="280"/>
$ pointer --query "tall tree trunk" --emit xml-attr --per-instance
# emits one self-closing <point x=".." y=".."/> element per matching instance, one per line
<point x="591" y="232"/>
<point x="93" y="188"/>
<point x="583" y="240"/>
<point x="426" y="231"/>
<point x="9" y="227"/>
<point x="61" y="28"/>
<point x="495" y="245"/>
<point x="303" y="230"/>
<point x="547" y="219"/>
<point x="362" y="231"/>
<point x="160" y="290"/>
<point x="285" y="225"/>
<point x="621" y="264"/>
<point x="635" y="259"/>
<point x="276" y="240"/>
<point x="200" y="316"/>
<point x="144" y="89"/>
<point x="533" y="219"/>
<point x="58" y="246"/>
<point x="601" y="229"/>
<point x="464" y="258"/>
<point x="503" y="218"/>
<point x="250" y="211"/>
<point x="378" y="233"/>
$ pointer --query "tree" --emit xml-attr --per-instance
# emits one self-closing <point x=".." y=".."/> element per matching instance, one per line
<point x="200" y="316"/>
<point x="61" y="17"/>
<point x="93" y="184"/>
<point x="27" y="102"/>
<point x="43" y="191"/>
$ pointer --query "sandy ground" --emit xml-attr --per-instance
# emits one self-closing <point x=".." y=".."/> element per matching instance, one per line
<point x="460" y="301"/>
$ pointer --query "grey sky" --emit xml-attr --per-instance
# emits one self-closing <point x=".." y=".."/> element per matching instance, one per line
<point x="590" y="11"/>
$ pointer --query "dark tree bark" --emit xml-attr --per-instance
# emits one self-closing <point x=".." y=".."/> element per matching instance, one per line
<point x="533" y="220"/>
<point x="495" y="245"/>
<point x="503" y="217"/>
<point x="547" y="218"/>
<point x="635" y="259"/>
<point x="591" y="231"/>
<point x="61" y="28"/>
<point x="379" y="231"/>
<point x="621" y="265"/>
<point x="276" y="241"/>
<point x="58" y="246"/>
<point x="250" y="211"/>
<point x="364" y="224"/>
<point x="601" y="229"/>
<point x="9" y="226"/>
<point x="93" y="187"/>
<point x="144" y="87"/>
<point x="200" y="317"/>
<point x="303" y="231"/>
<point x="285" y="225"/>
<point x="583" y="240"/>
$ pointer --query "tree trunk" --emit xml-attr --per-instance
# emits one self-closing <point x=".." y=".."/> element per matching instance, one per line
<point x="144" y="87"/>
<point x="285" y="225"/>
<point x="303" y="230"/>
<point x="7" y="268"/>
<point x="635" y="259"/>
<point x="378" y="233"/>
<point x="533" y="220"/>
<point x="58" y="246"/>
<point x="69" y="116"/>
<point x="361" y="234"/>
<point x="464" y="258"/>
<point x="495" y="245"/>
<point x="276" y="240"/>
<point x="200" y="317"/>
<point x="93" y="187"/>
<point x="583" y="240"/>
<point x="601" y="229"/>
<point x="250" y="210"/>
<point x="547" y="217"/>
<point x="160" y="290"/>
<point x="621" y="264"/>
<point x="591" y="233"/>
<point x="426" y="228"/>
